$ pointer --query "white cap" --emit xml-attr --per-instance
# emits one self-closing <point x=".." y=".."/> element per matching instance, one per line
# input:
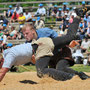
<point x="1" y="21"/>
<point x="74" y="7"/>
<point x="66" y="14"/>
<point x="67" y="18"/>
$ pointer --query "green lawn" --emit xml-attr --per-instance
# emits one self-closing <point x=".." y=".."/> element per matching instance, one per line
<point x="78" y="67"/>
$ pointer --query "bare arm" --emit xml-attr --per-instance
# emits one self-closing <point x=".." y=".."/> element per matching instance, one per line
<point x="3" y="71"/>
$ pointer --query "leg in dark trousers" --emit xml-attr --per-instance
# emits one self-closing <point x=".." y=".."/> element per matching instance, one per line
<point x="64" y="65"/>
<point x="42" y="69"/>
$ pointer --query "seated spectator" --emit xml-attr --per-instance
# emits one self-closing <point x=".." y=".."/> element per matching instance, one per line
<point x="39" y="23"/>
<point x="85" y="45"/>
<point x="1" y="24"/>
<point x="88" y="55"/>
<point x="65" y="22"/>
<point x="4" y="20"/>
<point x="4" y="27"/>
<point x="21" y="20"/>
<point x="28" y="16"/>
<point x="49" y="11"/>
<point x="85" y="25"/>
<point x="19" y="36"/>
<point x="84" y="8"/>
<point x="1" y="45"/>
<point x="87" y="17"/>
<point x="3" y="37"/>
<point x="41" y="11"/>
<point x="81" y="31"/>
<point x="18" y="8"/>
<point x="68" y="12"/>
<point x="65" y="6"/>
<point x="78" y="55"/>
<point x="14" y="17"/>
<point x="54" y="11"/>
<point x="87" y="34"/>
<point x="12" y="33"/>
<point x="71" y="18"/>
<point x="33" y="22"/>
<point x="59" y="15"/>
<point x="9" y="12"/>
<point x="60" y="31"/>
<point x="73" y="12"/>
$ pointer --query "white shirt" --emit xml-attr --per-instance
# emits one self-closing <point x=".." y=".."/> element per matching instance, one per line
<point x="27" y="16"/>
<point x="85" y="45"/>
<point x="78" y="53"/>
<point x="4" y="38"/>
<point x="17" y="55"/>
<point x="41" y="11"/>
<point x="18" y="10"/>
<point x="39" y="25"/>
<point x="61" y="32"/>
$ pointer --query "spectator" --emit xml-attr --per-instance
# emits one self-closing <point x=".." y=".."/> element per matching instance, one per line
<point x="85" y="45"/>
<point x="65" y="6"/>
<point x="64" y="22"/>
<point x="88" y="31"/>
<point x="59" y="15"/>
<point x="85" y="25"/>
<point x="54" y="11"/>
<point x="33" y="22"/>
<point x="10" y="11"/>
<point x="19" y="36"/>
<point x="78" y="55"/>
<point x="39" y="23"/>
<point x="68" y="12"/>
<point x="71" y="18"/>
<point x="14" y="17"/>
<point x="18" y="8"/>
<point x="21" y="20"/>
<point x="73" y="12"/>
<point x="60" y="31"/>
<point x="41" y="11"/>
<point x="28" y="16"/>
<point x="84" y="8"/>
<point x="4" y="38"/>
<point x="1" y="24"/>
<point x="5" y="21"/>
<point x="12" y="33"/>
<point x="86" y="16"/>
<point x="81" y="30"/>
<point x="1" y="45"/>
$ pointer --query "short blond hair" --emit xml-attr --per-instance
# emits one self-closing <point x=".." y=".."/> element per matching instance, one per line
<point x="30" y="26"/>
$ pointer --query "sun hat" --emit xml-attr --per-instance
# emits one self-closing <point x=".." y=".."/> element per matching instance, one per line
<point x="9" y="45"/>
<point x="10" y="6"/>
<point x="4" y="25"/>
<point x="38" y="18"/>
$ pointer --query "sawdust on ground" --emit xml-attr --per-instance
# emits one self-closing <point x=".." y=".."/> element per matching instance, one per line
<point x="30" y="81"/>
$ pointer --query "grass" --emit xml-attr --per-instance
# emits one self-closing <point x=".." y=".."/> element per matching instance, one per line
<point x="32" y="68"/>
<point x="80" y="67"/>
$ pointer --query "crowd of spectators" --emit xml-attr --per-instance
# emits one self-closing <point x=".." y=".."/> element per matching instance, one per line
<point x="64" y="15"/>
